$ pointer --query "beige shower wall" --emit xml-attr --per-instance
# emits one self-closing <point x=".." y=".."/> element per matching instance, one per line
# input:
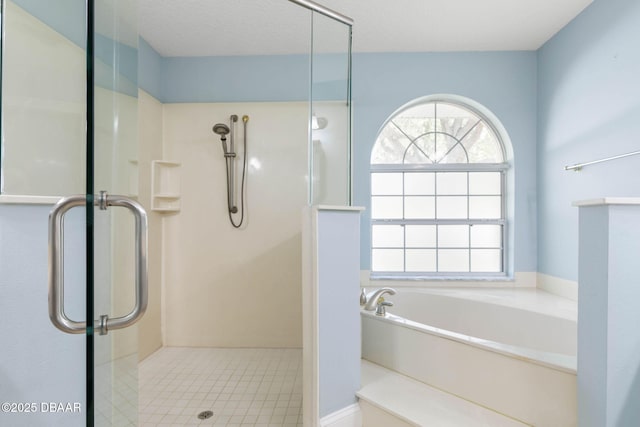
<point x="226" y="287"/>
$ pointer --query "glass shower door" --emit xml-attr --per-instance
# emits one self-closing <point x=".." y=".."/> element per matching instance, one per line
<point x="69" y="160"/>
<point x="119" y="261"/>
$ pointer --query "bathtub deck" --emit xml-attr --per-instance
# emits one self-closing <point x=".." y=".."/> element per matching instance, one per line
<point x="530" y="299"/>
<point x="413" y="403"/>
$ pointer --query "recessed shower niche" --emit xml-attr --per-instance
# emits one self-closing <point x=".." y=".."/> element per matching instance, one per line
<point x="165" y="186"/>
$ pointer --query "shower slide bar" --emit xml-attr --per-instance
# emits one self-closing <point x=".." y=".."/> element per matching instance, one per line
<point x="324" y="11"/>
<point x="579" y="166"/>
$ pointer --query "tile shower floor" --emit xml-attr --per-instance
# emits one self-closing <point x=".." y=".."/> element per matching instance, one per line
<point x="242" y="387"/>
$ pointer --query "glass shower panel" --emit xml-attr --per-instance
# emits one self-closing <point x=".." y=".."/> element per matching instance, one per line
<point x="115" y="171"/>
<point x="330" y="149"/>
<point x="43" y="136"/>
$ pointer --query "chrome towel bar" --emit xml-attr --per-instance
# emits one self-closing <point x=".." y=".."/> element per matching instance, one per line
<point x="579" y="166"/>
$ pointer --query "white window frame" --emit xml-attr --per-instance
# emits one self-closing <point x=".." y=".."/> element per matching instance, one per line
<point x="502" y="168"/>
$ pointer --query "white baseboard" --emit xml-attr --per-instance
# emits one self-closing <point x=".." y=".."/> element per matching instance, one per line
<point x="345" y="417"/>
<point x="560" y="287"/>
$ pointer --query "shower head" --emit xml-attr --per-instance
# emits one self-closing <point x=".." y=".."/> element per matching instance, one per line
<point x="221" y="129"/>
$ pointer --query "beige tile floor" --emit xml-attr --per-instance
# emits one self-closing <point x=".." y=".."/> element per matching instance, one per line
<point x="242" y="387"/>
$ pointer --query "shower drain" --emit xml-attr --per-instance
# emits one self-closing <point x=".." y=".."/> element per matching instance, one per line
<point x="205" y="414"/>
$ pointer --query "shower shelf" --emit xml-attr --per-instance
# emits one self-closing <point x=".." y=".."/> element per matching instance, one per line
<point x="165" y="186"/>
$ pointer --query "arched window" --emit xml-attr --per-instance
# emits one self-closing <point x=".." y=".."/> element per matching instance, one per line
<point x="438" y="203"/>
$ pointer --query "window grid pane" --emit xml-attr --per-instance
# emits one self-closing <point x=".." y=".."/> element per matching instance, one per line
<point x="387" y="260"/>
<point x="486" y="260"/>
<point x="386" y="184"/>
<point x="419" y="183"/>
<point x="485" y="183"/>
<point x="452" y="207"/>
<point x="420" y="236"/>
<point x="418" y="260"/>
<point x="453" y="260"/>
<point x="387" y="236"/>
<point x="484" y="236"/>
<point x="487" y="207"/>
<point x="452" y="183"/>
<point x="386" y="207"/>
<point x="419" y="207"/>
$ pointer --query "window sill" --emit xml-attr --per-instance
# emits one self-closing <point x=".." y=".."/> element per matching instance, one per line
<point x="520" y="279"/>
<point x="496" y="278"/>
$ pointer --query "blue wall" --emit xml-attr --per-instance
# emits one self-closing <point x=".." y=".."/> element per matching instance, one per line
<point x="588" y="108"/>
<point x="236" y="78"/>
<point x="263" y="78"/>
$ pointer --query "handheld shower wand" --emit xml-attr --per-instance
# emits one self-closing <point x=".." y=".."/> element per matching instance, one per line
<point x="222" y="130"/>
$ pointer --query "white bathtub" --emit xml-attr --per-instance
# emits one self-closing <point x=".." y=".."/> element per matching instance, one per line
<point x="511" y="350"/>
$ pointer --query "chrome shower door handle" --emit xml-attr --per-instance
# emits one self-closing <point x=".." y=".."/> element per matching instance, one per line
<point x="57" y="314"/>
<point x="56" y="266"/>
<point x="142" y="288"/>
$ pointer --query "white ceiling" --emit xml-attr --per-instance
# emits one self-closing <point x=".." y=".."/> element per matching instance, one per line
<point x="249" y="27"/>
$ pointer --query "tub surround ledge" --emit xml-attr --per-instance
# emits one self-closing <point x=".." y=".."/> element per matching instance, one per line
<point x="338" y="208"/>
<point x="10" y="199"/>
<point x="608" y="201"/>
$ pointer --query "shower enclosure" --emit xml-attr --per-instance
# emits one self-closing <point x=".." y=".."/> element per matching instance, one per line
<point x="88" y="119"/>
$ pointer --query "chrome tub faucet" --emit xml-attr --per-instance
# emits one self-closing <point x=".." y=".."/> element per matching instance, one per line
<point x="372" y="299"/>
